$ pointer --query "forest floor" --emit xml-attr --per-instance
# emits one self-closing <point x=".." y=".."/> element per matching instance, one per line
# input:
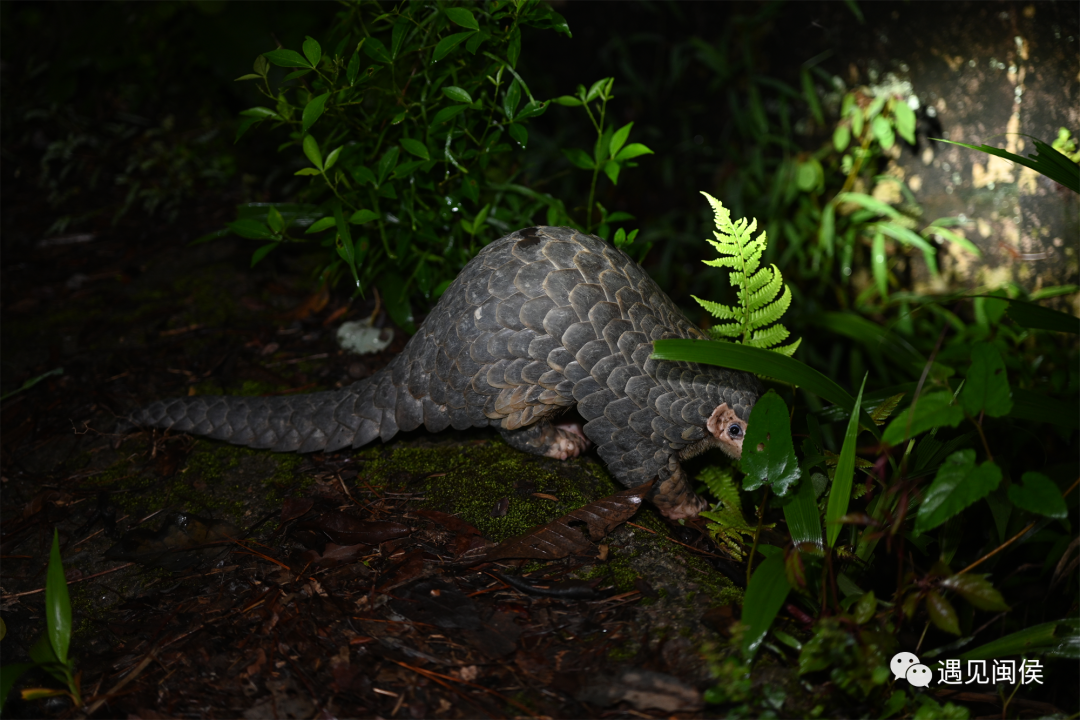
<point x="209" y="580"/>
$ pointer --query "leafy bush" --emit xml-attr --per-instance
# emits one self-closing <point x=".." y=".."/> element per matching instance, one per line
<point x="408" y="126"/>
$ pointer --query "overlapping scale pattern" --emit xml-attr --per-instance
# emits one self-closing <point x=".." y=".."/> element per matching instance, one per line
<point x="542" y="319"/>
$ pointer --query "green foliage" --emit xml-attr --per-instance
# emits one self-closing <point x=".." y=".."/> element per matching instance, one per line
<point x="758" y="308"/>
<point x="958" y="484"/>
<point x="50" y="652"/>
<point x="845" y="473"/>
<point x="412" y="119"/>
<point x="765" y="595"/>
<point x="1047" y="160"/>
<point x="768" y="454"/>
<point x="857" y="668"/>
<point x="728" y="523"/>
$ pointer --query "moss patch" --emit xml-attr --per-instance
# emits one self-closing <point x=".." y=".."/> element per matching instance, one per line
<point x="469" y="480"/>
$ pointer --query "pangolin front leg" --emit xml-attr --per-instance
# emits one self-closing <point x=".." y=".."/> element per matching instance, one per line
<point x="541" y="320"/>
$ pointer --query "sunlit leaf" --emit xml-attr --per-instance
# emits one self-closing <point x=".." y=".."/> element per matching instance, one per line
<point x="311" y="149"/>
<point x="631" y="151"/>
<point x="905" y="121"/>
<point x="579" y="158"/>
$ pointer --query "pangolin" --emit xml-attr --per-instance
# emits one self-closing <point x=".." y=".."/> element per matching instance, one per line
<point x="541" y="320"/>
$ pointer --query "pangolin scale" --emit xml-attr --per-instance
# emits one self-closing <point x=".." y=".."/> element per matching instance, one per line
<point x="541" y="320"/>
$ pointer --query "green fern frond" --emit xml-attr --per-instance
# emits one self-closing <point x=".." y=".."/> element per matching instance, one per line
<point x="757" y="287"/>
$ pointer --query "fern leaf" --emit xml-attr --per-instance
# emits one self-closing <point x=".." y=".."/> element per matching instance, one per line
<point x="882" y="412"/>
<point x="756" y="287"/>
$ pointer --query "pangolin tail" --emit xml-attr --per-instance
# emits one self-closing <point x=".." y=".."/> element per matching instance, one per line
<point x="352" y="416"/>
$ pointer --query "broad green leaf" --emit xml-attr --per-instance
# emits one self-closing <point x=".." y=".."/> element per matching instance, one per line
<point x="871" y="336"/>
<point x="448" y="113"/>
<point x="363" y="216"/>
<point x="249" y="76"/>
<point x="1060" y="638"/>
<point x="448" y="43"/>
<point x="405" y="169"/>
<point x="631" y="151"/>
<point x="262" y="252"/>
<point x="57" y="603"/>
<point x="512" y="99"/>
<point x="311" y="149"/>
<point x="883" y="132"/>
<point x="476" y="41"/>
<point x="765" y="595"/>
<point x="1046" y="161"/>
<point x="761" y="362"/>
<point x="579" y="158"/>
<point x="287" y="58"/>
<point x="533" y="108"/>
<point x="768" y="456"/>
<point x="314" y="110"/>
<point x="840" y="494"/>
<point x="987" y="386"/>
<point x="1039" y="494"/>
<point x="870" y="203"/>
<point x="567" y="101"/>
<point x="955" y="238"/>
<point x="387" y="163"/>
<point x="332" y="158"/>
<point x="462" y="16"/>
<point x="596" y="90"/>
<point x="375" y="50"/>
<point x="959" y="483"/>
<point x="619" y="139"/>
<point x="611" y="169"/>
<point x="307" y="171"/>
<point x="320" y="225"/>
<point x="243" y="126"/>
<point x="519" y="134"/>
<point x="905" y="121"/>
<point x="275" y="220"/>
<point x="942" y="613"/>
<point x="312" y="50"/>
<point x="415" y="147"/>
<point x="251" y="229"/>
<point x="297" y="74"/>
<point x="865" y="608"/>
<point x="1036" y="317"/>
<point x="9" y="675"/>
<point x="457" y="94"/>
<point x="401" y="29"/>
<point x="929" y="411"/>
<point x="260" y="113"/>
<point x="977" y="590"/>
<point x="363" y="175"/>
<point x="353" y="69"/>
<point x="841" y="138"/>
<point x="802" y="516"/>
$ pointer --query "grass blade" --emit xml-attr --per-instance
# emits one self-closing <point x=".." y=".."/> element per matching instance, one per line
<point x="840" y="494"/>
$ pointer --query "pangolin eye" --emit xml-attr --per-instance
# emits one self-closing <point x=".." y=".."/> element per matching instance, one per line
<point x="735" y="432"/>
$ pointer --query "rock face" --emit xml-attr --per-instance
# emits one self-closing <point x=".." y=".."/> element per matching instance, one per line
<point x="541" y="320"/>
<point x="981" y="73"/>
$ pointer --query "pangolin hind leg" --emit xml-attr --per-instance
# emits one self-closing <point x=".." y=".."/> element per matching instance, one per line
<point x="555" y="440"/>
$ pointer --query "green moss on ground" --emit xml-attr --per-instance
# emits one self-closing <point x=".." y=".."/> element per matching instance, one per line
<point x="469" y="480"/>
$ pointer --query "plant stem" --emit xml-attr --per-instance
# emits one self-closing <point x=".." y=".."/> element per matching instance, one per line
<point x="757" y="534"/>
